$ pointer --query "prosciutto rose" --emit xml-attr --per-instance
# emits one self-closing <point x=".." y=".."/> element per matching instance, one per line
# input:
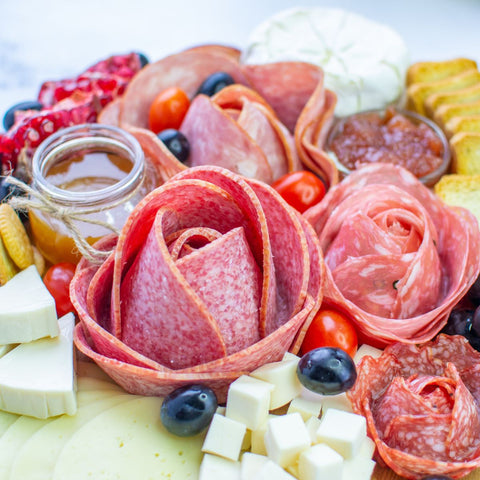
<point x="422" y="406"/>
<point x="211" y="276"/>
<point x="398" y="258"/>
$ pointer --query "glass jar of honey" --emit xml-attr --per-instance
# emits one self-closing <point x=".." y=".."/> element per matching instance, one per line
<point x="97" y="171"/>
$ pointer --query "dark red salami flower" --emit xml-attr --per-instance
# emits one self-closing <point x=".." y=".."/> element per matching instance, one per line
<point x="422" y="405"/>
<point x="398" y="258"/>
<point x="212" y="276"/>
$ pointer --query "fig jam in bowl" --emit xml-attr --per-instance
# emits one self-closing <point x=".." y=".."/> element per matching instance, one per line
<point x="390" y="136"/>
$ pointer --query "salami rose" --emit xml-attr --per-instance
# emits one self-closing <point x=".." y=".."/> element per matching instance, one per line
<point x="398" y="258"/>
<point x="211" y="276"/>
<point x="422" y="406"/>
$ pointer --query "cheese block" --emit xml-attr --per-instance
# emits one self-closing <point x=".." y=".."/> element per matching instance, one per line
<point x="27" y="310"/>
<point x="364" y="62"/>
<point x="128" y="441"/>
<point x="37" y="378"/>
<point x="218" y="468"/>
<point x="37" y="456"/>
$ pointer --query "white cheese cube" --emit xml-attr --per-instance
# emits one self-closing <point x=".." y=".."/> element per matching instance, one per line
<point x="27" y="310"/>
<point x="248" y="401"/>
<point x="251" y="463"/>
<point x="358" y="468"/>
<point x="38" y="378"/>
<point x="270" y="470"/>
<point x="283" y="375"/>
<point x="4" y="349"/>
<point x="312" y="425"/>
<point x="365" y="350"/>
<point x="218" y="468"/>
<point x="339" y="402"/>
<point x="224" y="437"/>
<point x="220" y="410"/>
<point x="258" y="438"/>
<point x="306" y="408"/>
<point x="367" y="449"/>
<point x="286" y="437"/>
<point x="320" y="462"/>
<point x="343" y="431"/>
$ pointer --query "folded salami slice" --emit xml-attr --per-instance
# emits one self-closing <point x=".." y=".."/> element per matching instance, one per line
<point x="186" y="70"/>
<point x="211" y="276"/>
<point x="236" y="129"/>
<point x="420" y="409"/>
<point x="398" y="259"/>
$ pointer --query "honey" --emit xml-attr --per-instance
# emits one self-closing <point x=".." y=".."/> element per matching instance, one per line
<point x="96" y="171"/>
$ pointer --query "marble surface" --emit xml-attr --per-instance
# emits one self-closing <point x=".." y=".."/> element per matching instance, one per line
<point x="52" y="39"/>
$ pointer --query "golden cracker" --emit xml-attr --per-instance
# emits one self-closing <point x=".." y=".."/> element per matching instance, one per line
<point x="7" y="267"/>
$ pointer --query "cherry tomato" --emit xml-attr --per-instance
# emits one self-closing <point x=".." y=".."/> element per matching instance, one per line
<point x="331" y="328"/>
<point x="300" y="189"/>
<point x="57" y="280"/>
<point x="168" y="109"/>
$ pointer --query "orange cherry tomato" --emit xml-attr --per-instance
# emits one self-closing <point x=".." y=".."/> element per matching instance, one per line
<point x="300" y="189"/>
<point x="330" y="328"/>
<point x="168" y="109"/>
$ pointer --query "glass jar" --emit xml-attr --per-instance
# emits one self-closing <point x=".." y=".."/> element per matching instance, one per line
<point x="95" y="171"/>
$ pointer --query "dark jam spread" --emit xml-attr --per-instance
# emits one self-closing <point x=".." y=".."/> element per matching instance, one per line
<point x="387" y="137"/>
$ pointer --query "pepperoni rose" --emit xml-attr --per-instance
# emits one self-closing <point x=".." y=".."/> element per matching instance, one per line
<point x="211" y="276"/>
<point x="422" y="405"/>
<point x="398" y="258"/>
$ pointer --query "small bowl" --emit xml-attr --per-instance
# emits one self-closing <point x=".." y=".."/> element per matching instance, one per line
<point x="431" y="178"/>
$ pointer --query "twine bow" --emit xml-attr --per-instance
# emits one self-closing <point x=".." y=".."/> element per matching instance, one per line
<point x="67" y="215"/>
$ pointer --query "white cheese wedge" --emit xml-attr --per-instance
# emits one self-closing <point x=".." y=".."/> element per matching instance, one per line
<point x="283" y="375"/>
<point x="364" y="61"/>
<point x="37" y="378"/>
<point x="342" y="431"/>
<point x="27" y="310"/>
<point x="224" y="437"/>
<point x="319" y="462"/>
<point x="248" y="401"/>
<point x="128" y="441"/>
<point x="286" y="437"/>
<point x="218" y="468"/>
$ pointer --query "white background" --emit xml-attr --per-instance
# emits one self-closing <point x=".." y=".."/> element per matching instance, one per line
<point x="50" y="39"/>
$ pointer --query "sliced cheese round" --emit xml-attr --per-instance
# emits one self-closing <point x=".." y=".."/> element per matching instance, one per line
<point x="364" y="62"/>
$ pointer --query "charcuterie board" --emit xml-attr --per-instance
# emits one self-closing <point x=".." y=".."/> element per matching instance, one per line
<point x="217" y="235"/>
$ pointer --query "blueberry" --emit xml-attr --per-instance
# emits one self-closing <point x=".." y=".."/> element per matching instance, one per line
<point x="188" y="410"/>
<point x="143" y="59"/>
<point x="9" y="117"/>
<point x="327" y="370"/>
<point x="214" y="83"/>
<point x="176" y="142"/>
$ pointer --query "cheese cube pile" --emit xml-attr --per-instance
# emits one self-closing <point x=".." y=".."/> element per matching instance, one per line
<point x="315" y="437"/>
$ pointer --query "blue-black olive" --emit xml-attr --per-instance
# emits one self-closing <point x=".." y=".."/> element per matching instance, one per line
<point x="474" y="292"/>
<point x="214" y="83"/>
<point x="176" y="142"/>
<point x="466" y="322"/>
<point x="143" y="59"/>
<point x="188" y="410"/>
<point x="327" y="370"/>
<point x="9" y="117"/>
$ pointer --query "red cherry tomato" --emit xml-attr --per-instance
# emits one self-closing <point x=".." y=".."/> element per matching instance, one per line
<point x="168" y="109"/>
<point x="57" y="280"/>
<point x="300" y="189"/>
<point x="330" y="328"/>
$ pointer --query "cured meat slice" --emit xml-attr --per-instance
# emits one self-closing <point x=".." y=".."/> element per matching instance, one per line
<point x="420" y="411"/>
<point x="211" y="276"/>
<point x="186" y="70"/>
<point x="258" y="145"/>
<point x="398" y="259"/>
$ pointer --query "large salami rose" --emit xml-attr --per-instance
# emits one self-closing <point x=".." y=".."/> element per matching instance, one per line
<point x="211" y="276"/>
<point x="422" y="406"/>
<point x="398" y="258"/>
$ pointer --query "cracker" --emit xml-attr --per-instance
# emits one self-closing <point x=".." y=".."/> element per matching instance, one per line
<point x="15" y="237"/>
<point x="7" y="267"/>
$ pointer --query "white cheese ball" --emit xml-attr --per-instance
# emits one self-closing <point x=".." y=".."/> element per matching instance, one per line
<point x="364" y="62"/>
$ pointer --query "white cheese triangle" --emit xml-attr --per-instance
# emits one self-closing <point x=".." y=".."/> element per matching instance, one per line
<point x="27" y="310"/>
<point x="37" y="378"/>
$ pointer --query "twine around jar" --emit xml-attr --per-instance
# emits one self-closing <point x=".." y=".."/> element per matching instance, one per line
<point x="67" y="215"/>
